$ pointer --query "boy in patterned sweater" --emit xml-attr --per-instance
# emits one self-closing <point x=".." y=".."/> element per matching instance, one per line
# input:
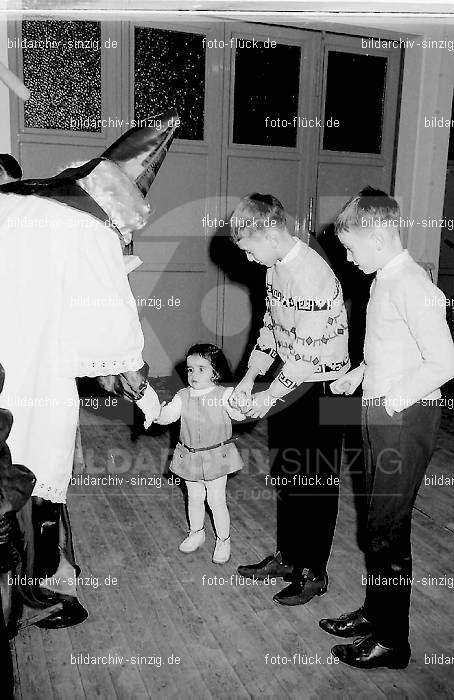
<point x="305" y="328"/>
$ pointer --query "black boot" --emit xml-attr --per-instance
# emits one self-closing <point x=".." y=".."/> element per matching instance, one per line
<point x="72" y="612"/>
<point x="47" y="532"/>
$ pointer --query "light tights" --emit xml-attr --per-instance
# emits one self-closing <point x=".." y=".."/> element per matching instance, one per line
<point x="215" y="493"/>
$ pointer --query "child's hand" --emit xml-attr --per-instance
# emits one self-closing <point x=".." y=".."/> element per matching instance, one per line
<point x="157" y="419"/>
<point x="149" y="405"/>
<point x="240" y="401"/>
<point x="241" y="395"/>
<point x="260" y="404"/>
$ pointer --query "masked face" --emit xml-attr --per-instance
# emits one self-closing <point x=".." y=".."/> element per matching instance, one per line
<point x="119" y="197"/>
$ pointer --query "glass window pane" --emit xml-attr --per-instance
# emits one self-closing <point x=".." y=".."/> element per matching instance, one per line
<point x="62" y="69"/>
<point x="169" y="71"/>
<point x="355" y="95"/>
<point x="266" y="94"/>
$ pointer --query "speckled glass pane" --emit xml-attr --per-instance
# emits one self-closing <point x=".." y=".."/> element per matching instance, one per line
<point x="355" y="96"/>
<point x="266" y="94"/>
<point x="62" y="69"/>
<point x="169" y="71"/>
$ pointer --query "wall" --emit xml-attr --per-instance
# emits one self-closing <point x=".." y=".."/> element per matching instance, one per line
<point x="422" y="152"/>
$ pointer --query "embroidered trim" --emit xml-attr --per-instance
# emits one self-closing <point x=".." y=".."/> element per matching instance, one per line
<point x="102" y="368"/>
<point x="50" y="493"/>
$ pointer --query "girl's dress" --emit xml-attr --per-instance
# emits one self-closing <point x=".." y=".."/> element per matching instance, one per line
<point x="206" y="450"/>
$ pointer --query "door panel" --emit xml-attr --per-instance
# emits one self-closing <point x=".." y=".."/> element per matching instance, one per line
<point x="338" y="181"/>
<point x="342" y="172"/>
<point x="272" y="175"/>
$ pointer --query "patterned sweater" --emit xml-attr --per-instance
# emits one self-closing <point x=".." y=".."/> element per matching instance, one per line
<point x="305" y="322"/>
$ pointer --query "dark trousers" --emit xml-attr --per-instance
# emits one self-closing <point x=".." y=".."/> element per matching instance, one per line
<point x="306" y="453"/>
<point x="397" y="452"/>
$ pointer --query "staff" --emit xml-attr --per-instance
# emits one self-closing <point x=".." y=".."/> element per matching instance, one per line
<point x="13" y="82"/>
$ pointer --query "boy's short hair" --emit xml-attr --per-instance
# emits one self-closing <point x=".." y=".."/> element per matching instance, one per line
<point x="10" y="166"/>
<point x="368" y="207"/>
<point x="254" y="213"/>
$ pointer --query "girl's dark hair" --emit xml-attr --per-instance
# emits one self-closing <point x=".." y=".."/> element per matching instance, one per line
<point x="216" y="358"/>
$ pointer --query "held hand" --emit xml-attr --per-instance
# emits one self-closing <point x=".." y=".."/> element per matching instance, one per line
<point x="157" y="419"/>
<point x="341" y="386"/>
<point x="241" y="401"/>
<point x="241" y="396"/>
<point x="348" y="383"/>
<point x="260" y="404"/>
<point x="149" y="405"/>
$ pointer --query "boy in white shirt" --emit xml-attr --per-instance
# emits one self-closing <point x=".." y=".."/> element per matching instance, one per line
<point x="408" y="355"/>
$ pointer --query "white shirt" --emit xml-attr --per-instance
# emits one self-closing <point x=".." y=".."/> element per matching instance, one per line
<point x="408" y="349"/>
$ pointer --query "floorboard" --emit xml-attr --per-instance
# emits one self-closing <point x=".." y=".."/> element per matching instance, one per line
<point x="179" y="626"/>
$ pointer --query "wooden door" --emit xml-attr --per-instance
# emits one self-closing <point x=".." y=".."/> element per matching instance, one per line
<point x="173" y="286"/>
<point x="270" y="91"/>
<point x="360" y="89"/>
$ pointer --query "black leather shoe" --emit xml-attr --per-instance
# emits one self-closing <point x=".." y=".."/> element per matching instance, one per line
<point x="366" y="652"/>
<point x="270" y="567"/>
<point x="347" y="625"/>
<point x="302" y="590"/>
<point x="72" y="613"/>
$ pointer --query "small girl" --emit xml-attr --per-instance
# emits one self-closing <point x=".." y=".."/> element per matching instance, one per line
<point x="206" y="452"/>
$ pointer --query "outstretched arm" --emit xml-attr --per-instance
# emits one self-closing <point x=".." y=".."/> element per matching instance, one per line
<point x="134" y="386"/>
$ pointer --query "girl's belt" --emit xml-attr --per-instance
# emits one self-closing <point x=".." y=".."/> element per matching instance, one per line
<point x="211" y="447"/>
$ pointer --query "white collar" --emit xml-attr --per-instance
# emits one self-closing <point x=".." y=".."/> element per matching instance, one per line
<point x="200" y="392"/>
<point x="394" y="262"/>
<point x="292" y="253"/>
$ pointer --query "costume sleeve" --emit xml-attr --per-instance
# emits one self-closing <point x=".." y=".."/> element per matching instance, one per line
<point x="317" y="321"/>
<point x="423" y="306"/>
<point x="100" y="331"/>
<point x="234" y="413"/>
<point x="171" y="412"/>
<point x="264" y="352"/>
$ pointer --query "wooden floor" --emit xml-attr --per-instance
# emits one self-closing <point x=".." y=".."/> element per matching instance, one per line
<point x="178" y="626"/>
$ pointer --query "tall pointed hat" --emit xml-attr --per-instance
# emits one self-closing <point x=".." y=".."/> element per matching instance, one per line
<point x="139" y="153"/>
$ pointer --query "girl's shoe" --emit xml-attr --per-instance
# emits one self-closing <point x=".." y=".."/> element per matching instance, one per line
<point x="221" y="553"/>
<point x="193" y="541"/>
